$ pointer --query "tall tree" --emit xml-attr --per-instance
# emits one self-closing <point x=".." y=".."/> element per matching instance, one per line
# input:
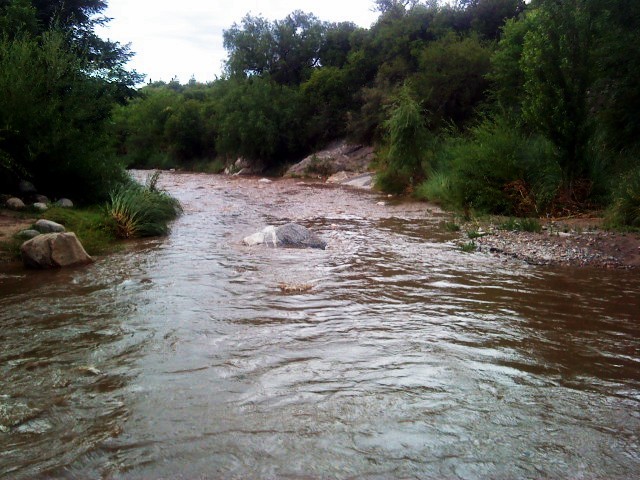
<point x="286" y="49"/>
<point x="558" y="67"/>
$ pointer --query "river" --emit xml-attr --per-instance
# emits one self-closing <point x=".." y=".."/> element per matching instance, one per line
<point x="181" y="357"/>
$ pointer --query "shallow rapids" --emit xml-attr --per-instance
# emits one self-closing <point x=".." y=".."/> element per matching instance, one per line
<point x="182" y="358"/>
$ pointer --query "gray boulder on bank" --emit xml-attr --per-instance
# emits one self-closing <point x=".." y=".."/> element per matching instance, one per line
<point x="54" y="250"/>
<point x="64" y="203"/>
<point x="339" y="156"/>
<point x="15" y="203"/>
<point x="40" y="206"/>
<point x="290" y="235"/>
<point x="47" y="226"/>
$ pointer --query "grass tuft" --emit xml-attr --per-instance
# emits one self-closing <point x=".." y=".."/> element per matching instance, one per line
<point x="136" y="211"/>
<point x="522" y="225"/>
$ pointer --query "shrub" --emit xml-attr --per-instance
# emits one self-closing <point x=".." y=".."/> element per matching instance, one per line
<point x="52" y="119"/>
<point x="495" y="169"/>
<point x="405" y="158"/>
<point x="141" y="210"/>
<point x="625" y="206"/>
<point x="522" y="225"/>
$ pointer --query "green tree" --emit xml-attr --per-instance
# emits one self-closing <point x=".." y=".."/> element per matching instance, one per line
<point x="286" y="49"/>
<point x="451" y="78"/>
<point x="259" y="120"/>
<point x="407" y="144"/>
<point x="558" y="67"/>
<point x="52" y="118"/>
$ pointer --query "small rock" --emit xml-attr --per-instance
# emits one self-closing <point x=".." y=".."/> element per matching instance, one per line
<point x="40" y="206"/>
<point x="265" y="180"/>
<point x="47" y="226"/>
<point x="382" y="204"/>
<point x="28" y="234"/>
<point x="15" y="203"/>
<point x="42" y="199"/>
<point x="64" y="203"/>
<point x="339" y="177"/>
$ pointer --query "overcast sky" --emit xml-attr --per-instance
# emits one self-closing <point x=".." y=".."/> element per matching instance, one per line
<point x="183" y="38"/>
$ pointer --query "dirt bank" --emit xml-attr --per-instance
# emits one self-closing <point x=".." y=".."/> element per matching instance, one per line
<point x="11" y="223"/>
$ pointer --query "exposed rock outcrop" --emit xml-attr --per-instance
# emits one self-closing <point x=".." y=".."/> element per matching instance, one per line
<point x="54" y="250"/>
<point x="337" y="157"/>
<point x="290" y="235"/>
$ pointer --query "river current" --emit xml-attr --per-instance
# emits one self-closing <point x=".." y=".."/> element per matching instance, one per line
<point x="181" y="357"/>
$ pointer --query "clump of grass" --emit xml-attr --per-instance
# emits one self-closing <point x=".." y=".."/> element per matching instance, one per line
<point x="451" y="226"/>
<point x="624" y="212"/>
<point x="473" y="234"/>
<point x="522" y="225"/>
<point x="136" y="210"/>
<point x="89" y="225"/>
<point x="469" y="247"/>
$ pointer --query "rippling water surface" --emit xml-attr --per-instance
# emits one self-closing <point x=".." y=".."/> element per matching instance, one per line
<point x="181" y="357"/>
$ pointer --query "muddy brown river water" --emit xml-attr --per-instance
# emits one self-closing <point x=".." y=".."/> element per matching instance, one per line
<point x="181" y="358"/>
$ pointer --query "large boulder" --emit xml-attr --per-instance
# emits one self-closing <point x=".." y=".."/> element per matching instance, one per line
<point x="54" y="250"/>
<point x="47" y="226"/>
<point x="340" y="156"/>
<point x="290" y="235"/>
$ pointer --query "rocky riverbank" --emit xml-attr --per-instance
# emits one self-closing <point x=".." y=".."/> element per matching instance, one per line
<point x="572" y="242"/>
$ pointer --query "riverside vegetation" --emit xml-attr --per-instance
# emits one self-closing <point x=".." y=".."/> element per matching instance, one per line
<point x="485" y="106"/>
<point x="497" y="106"/>
<point x="60" y="83"/>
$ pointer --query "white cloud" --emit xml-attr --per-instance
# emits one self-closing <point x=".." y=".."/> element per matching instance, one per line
<point x="184" y="38"/>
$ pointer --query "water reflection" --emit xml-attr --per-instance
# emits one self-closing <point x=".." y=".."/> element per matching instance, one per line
<point x="408" y="358"/>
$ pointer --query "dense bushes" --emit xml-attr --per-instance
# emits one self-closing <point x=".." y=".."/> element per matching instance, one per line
<point x="496" y="105"/>
<point x="495" y="168"/>
<point x="52" y="119"/>
<point x="58" y="84"/>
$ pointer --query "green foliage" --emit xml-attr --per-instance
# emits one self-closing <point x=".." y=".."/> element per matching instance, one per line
<point x="408" y="142"/>
<point x="522" y="225"/>
<point x="437" y="188"/>
<point x="624" y="211"/>
<point x="260" y="121"/>
<point x="53" y="116"/>
<point x="495" y="169"/>
<point x="451" y="226"/>
<point x="558" y="67"/>
<point x="136" y="210"/>
<point x="451" y="78"/>
<point x="90" y="226"/>
<point x="469" y="247"/>
<point x="329" y="96"/>
<point x="286" y="50"/>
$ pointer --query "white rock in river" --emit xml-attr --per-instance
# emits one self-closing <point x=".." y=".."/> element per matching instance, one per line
<point x="289" y="235"/>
